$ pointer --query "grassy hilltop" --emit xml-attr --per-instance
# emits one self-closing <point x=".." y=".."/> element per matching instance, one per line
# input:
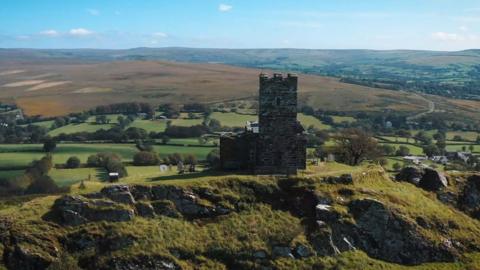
<point x="263" y="220"/>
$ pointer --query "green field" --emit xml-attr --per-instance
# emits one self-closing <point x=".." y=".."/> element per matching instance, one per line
<point x="458" y="147"/>
<point x="342" y="119"/>
<point x="21" y="155"/>
<point x="414" y="150"/>
<point x="82" y="127"/>
<point x="149" y="125"/>
<point x="466" y="135"/>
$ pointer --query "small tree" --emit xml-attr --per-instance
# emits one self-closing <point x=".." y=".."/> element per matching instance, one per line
<point x="471" y="148"/>
<point x="213" y="159"/>
<point x="73" y="163"/>
<point x="49" y="145"/>
<point x="431" y="150"/>
<point x="145" y="158"/>
<point x="165" y="139"/>
<point x="403" y="151"/>
<point x="478" y="139"/>
<point x="355" y="146"/>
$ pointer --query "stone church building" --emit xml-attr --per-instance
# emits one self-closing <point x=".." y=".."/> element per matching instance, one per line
<point x="274" y="145"/>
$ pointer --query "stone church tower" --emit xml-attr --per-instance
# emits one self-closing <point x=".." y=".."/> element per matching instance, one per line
<point x="281" y="142"/>
<point x="274" y="145"/>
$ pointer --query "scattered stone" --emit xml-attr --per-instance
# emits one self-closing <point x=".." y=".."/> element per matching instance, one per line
<point x="433" y="180"/>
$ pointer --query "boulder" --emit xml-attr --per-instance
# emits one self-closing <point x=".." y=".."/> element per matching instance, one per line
<point x="410" y="174"/>
<point x="136" y="262"/>
<point x="433" y="180"/>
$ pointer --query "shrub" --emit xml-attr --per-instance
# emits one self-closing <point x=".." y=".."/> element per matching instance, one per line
<point x="49" y="145"/>
<point x="73" y="163"/>
<point x="43" y="185"/>
<point x="145" y="158"/>
<point x="213" y="159"/>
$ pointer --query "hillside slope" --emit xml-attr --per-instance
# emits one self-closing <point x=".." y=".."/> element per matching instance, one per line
<point x="58" y="88"/>
<point x="315" y="221"/>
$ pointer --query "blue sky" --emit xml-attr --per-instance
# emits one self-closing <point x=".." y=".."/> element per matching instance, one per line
<point x="320" y="24"/>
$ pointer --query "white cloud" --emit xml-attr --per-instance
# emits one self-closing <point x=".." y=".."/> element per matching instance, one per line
<point x="160" y="35"/>
<point x="443" y="36"/>
<point x="80" y="32"/>
<point x="93" y="12"/>
<point x="50" y="33"/>
<point x="224" y="8"/>
<point x="463" y="28"/>
<point x="455" y="37"/>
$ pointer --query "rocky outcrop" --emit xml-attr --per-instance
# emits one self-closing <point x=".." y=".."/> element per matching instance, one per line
<point x="119" y="203"/>
<point x="77" y="210"/>
<point x="469" y="200"/>
<point x="385" y="235"/>
<point x="378" y="231"/>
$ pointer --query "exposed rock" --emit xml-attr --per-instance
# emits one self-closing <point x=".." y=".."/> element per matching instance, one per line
<point x="140" y="192"/>
<point x="470" y="198"/>
<point x="325" y="213"/>
<point x="384" y="235"/>
<point x="281" y="251"/>
<point x="119" y="194"/>
<point x="24" y="258"/>
<point x="302" y="251"/>
<point x="165" y="208"/>
<point x="410" y="174"/>
<point x="433" y="180"/>
<point x="76" y="210"/>
<point x="144" y="209"/>
<point x="447" y="197"/>
<point x="260" y="254"/>
<point x="345" y="179"/>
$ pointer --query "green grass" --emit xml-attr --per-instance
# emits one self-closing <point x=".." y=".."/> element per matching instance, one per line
<point x="458" y="147"/>
<point x="308" y="120"/>
<point x="199" y="151"/>
<point x="414" y="150"/>
<point x="466" y="135"/>
<point x="82" y="127"/>
<point x="233" y="119"/>
<point x="17" y="155"/>
<point x="397" y="139"/>
<point x="341" y="119"/>
<point x="149" y="125"/>
<point x="191" y="141"/>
